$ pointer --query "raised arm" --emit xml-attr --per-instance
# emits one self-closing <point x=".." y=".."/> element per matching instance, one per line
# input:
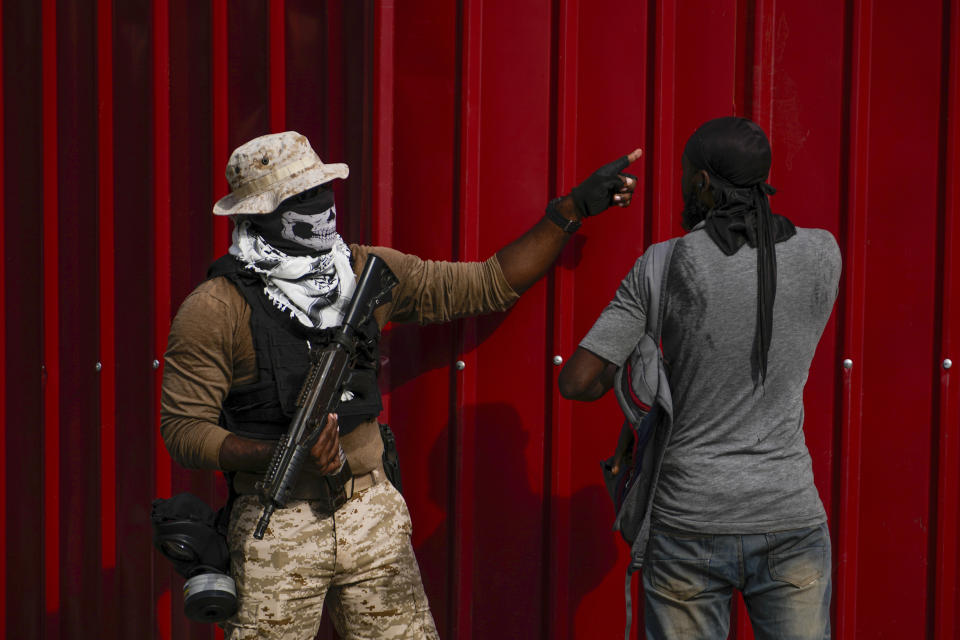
<point x="526" y="259"/>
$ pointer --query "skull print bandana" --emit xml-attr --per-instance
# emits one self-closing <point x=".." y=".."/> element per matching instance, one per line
<point x="304" y="224"/>
<point x="314" y="288"/>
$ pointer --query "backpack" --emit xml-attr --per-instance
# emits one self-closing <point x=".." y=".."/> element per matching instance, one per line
<point x="643" y="393"/>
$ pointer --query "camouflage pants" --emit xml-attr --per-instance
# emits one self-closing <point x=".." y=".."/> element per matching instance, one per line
<point x="361" y="556"/>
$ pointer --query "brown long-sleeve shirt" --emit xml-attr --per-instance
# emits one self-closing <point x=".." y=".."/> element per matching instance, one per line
<point x="210" y="350"/>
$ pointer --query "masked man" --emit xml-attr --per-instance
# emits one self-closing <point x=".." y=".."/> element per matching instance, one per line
<point x="744" y="302"/>
<point x="237" y="356"/>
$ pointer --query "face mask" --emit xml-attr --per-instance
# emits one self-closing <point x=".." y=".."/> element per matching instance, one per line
<point x="303" y="224"/>
<point x="315" y="231"/>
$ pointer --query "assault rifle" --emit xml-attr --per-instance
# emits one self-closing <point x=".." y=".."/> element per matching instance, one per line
<point x="320" y="395"/>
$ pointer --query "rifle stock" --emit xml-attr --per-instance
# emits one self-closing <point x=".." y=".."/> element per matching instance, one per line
<point x="320" y="395"/>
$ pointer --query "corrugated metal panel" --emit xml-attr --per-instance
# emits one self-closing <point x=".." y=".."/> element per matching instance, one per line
<point x="459" y="120"/>
<point x="945" y="587"/>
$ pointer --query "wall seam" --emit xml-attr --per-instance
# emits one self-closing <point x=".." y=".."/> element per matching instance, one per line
<point x="562" y="293"/>
<point x="854" y="320"/>
<point x="943" y="606"/>
<point x="467" y="226"/>
<point x="51" y="306"/>
<point x="219" y="90"/>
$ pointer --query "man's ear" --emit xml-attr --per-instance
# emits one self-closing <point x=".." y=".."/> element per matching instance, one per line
<point x="705" y="193"/>
<point x="703" y="179"/>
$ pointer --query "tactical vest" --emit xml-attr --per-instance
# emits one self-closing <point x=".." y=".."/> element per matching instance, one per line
<point x="264" y="409"/>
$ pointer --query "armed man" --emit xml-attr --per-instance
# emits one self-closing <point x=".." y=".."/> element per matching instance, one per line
<point x="239" y="350"/>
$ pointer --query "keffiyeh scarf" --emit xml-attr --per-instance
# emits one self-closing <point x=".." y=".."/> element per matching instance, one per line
<point x="314" y="289"/>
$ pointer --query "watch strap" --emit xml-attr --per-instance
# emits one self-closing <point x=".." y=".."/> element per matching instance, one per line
<point x="553" y="215"/>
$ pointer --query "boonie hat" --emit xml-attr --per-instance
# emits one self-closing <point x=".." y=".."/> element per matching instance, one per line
<point x="267" y="170"/>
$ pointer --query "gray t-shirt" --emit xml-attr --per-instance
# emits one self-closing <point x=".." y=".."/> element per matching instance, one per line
<point x="737" y="461"/>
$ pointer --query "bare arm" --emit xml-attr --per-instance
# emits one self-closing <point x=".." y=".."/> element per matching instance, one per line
<point x="585" y="376"/>
<point x="246" y="454"/>
<point x="526" y="259"/>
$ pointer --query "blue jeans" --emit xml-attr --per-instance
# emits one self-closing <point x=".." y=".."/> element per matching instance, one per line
<point x="784" y="577"/>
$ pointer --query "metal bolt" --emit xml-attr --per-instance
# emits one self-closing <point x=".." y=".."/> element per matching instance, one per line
<point x="461" y="365"/>
<point x="98" y="367"/>
<point x="848" y="364"/>
<point x="557" y="360"/>
<point x="156" y="364"/>
<point x="947" y="363"/>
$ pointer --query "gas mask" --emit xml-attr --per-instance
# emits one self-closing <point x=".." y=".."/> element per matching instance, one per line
<point x="191" y="536"/>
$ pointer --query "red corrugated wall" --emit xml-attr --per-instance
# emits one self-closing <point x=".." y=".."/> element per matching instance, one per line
<point x="459" y="120"/>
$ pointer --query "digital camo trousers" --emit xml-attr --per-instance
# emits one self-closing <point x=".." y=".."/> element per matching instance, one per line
<point x="361" y="556"/>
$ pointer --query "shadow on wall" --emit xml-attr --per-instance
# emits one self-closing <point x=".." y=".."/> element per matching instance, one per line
<point x="432" y="353"/>
<point x="511" y="517"/>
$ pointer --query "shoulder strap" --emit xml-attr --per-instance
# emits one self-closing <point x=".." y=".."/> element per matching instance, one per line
<point x="657" y="267"/>
<point x="655" y="277"/>
<point x="637" y="383"/>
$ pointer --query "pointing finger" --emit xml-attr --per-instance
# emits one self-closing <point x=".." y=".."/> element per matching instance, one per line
<point x="617" y="165"/>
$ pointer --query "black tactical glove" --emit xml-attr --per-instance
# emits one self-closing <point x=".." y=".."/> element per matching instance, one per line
<point x="595" y="194"/>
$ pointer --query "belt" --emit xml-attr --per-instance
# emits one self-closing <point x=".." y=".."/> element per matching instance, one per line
<point x="365" y="481"/>
<point x="352" y="486"/>
<point x="317" y="490"/>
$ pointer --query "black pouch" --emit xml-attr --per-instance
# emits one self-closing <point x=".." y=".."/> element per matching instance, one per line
<point x="624" y="466"/>
<point x="391" y="462"/>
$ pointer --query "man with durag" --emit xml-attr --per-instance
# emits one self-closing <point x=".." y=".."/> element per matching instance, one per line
<point x="744" y="301"/>
<point x="238" y="354"/>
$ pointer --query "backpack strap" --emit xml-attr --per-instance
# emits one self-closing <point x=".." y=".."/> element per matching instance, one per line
<point x="658" y="262"/>
<point x="638" y="382"/>
<point x="656" y="269"/>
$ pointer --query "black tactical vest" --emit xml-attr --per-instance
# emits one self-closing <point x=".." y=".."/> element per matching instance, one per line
<point x="264" y="409"/>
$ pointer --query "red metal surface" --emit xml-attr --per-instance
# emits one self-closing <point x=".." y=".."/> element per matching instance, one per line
<point x="105" y="222"/>
<point x="51" y="325"/>
<point x="383" y="150"/>
<point x="459" y="121"/>
<point x="948" y="463"/>
<point x="163" y="480"/>
<point x="76" y="289"/>
<point x="853" y="301"/>
<point x="278" y="68"/>
<point x="334" y="119"/>
<point x="509" y="356"/>
<point x="219" y="98"/>
<point x="23" y="291"/>
<point x="464" y="421"/>
<point x="904" y="549"/>
<point x="161" y="213"/>
<point x="558" y="441"/>
<point x="662" y="142"/>
<point x="136" y="583"/>
<point x="3" y="373"/>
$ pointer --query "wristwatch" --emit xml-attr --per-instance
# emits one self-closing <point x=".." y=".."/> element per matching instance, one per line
<point x="553" y="215"/>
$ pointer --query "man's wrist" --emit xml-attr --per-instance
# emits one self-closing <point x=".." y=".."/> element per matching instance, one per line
<point x="563" y="213"/>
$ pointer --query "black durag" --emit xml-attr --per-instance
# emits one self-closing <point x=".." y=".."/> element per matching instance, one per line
<point x="735" y="153"/>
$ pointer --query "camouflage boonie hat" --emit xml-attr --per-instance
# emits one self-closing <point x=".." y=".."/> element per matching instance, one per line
<point x="267" y="170"/>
